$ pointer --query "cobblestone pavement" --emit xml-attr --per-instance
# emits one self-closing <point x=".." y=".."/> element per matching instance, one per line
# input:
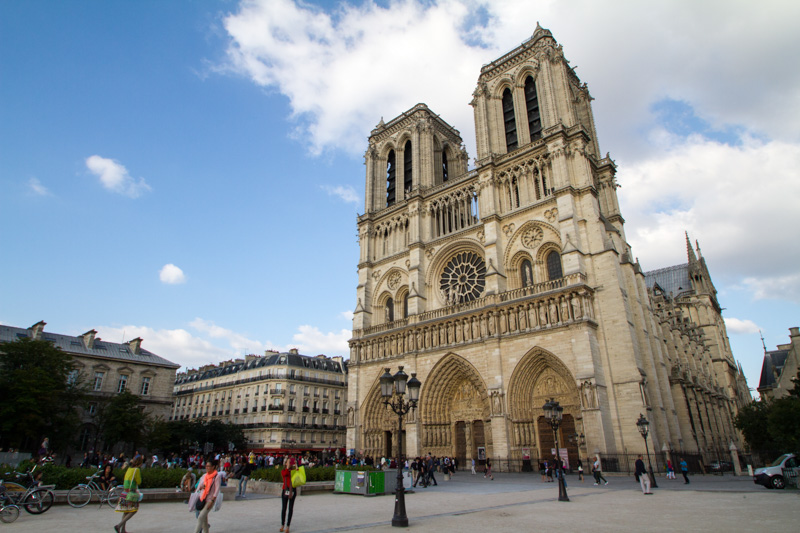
<point x="512" y="502"/>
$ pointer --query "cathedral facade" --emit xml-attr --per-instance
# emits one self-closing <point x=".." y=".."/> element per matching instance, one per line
<point x="507" y="285"/>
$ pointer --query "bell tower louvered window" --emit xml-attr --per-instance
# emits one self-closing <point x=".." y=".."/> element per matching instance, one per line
<point x="532" y="104"/>
<point x="407" y="167"/>
<point x="391" y="172"/>
<point x="444" y="166"/>
<point x="389" y="310"/>
<point x="509" y="121"/>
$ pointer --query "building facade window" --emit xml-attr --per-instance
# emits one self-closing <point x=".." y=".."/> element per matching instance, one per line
<point x="532" y="105"/>
<point x="145" y="390"/>
<point x="554" y="265"/>
<point x="98" y="380"/>
<point x="407" y="167"/>
<point x="122" y="383"/>
<point x="391" y="178"/>
<point x="509" y="121"/>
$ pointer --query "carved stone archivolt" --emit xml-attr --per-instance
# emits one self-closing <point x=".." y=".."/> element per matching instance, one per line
<point x="539" y="376"/>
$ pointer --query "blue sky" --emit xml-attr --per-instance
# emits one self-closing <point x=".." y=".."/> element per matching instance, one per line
<point x="190" y="171"/>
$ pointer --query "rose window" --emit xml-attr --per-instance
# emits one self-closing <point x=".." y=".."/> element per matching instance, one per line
<point x="464" y="278"/>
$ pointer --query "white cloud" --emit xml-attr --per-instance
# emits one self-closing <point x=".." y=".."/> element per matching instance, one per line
<point x="176" y="345"/>
<point x="740" y="327"/>
<point x="311" y="341"/>
<point x="345" y="192"/>
<point x="115" y="178"/>
<point x="237" y="341"/>
<point x="204" y="342"/>
<point x="726" y="61"/>
<point x="738" y="202"/>
<point x="775" y="288"/>
<point x="347" y="315"/>
<point x="37" y="188"/>
<point x="171" y="274"/>
<point x="342" y="70"/>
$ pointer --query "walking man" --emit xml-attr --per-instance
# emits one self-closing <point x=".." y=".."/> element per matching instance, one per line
<point x="641" y="472"/>
<point x="597" y="470"/>
<point x="431" y="468"/>
<point x="684" y="471"/>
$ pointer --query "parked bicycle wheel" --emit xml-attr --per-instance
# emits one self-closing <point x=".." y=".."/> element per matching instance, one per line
<point x="79" y="495"/>
<point x="9" y="513"/>
<point x="39" y="501"/>
<point x="113" y="496"/>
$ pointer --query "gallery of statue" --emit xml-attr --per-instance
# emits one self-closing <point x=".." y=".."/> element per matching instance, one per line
<point x="507" y="285"/>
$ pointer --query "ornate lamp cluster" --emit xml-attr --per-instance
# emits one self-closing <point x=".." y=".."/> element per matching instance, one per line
<point x="393" y="389"/>
<point x="553" y="413"/>
<point x="644" y="428"/>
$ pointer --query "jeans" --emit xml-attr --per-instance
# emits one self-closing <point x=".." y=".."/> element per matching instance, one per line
<point x="287" y="501"/>
<point x="202" y="520"/>
<point x="242" y="485"/>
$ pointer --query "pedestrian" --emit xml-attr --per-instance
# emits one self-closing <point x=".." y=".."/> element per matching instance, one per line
<point x="580" y="470"/>
<point x="288" y="495"/>
<point x="107" y="478"/>
<point x="597" y="470"/>
<point x="244" y="475"/>
<point x="430" y="466"/>
<point x="129" y="506"/>
<point x="641" y="472"/>
<point x="670" y="469"/>
<point x="188" y="480"/>
<point x="684" y="471"/>
<point x="488" y="471"/>
<point x="208" y="488"/>
<point x="473" y="466"/>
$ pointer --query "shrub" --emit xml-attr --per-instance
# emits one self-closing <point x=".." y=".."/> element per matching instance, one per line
<point x="152" y="478"/>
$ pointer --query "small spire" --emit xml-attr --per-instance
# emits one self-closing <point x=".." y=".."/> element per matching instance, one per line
<point x="697" y="246"/>
<point x="689" y="250"/>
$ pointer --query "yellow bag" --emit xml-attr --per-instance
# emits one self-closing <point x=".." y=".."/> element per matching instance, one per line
<point x="299" y="477"/>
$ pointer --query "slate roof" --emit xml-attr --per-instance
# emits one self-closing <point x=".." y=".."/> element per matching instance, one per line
<point x="774" y="362"/>
<point x="101" y="349"/>
<point x="673" y="280"/>
<point x="305" y="362"/>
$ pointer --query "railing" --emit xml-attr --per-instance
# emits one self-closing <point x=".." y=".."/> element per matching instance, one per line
<point x="487" y="301"/>
<point x="276" y="407"/>
<point x="280" y="392"/>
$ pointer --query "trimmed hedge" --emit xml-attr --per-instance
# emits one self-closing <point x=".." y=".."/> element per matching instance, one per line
<point x="152" y="478"/>
<point x="318" y="473"/>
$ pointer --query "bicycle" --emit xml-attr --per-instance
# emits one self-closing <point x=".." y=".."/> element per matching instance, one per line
<point x="80" y="495"/>
<point x="8" y="511"/>
<point x="34" y="498"/>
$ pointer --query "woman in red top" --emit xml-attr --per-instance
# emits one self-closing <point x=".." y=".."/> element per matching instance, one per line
<point x="288" y="493"/>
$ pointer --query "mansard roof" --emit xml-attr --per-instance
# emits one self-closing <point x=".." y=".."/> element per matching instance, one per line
<point x="672" y="280"/>
<point x="772" y="368"/>
<point x="99" y="348"/>
<point x="280" y="359"/>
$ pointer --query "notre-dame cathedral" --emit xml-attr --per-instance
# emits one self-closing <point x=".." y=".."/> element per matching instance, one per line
<point x="513" y="283"/>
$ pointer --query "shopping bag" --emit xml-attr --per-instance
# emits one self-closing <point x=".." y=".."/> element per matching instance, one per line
<point x="299" y="477"/>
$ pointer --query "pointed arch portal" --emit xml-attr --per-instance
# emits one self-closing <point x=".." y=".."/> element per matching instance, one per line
<point x="538" y="377"/>
<point x="454" y="410"/>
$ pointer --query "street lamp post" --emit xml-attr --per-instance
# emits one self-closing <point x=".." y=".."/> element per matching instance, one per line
<point x="553" y="413"/>
<point x="396" y="385"/>
<point x="644" y="428"/>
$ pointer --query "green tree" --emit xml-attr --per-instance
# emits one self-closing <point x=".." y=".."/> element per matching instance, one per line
<point x="122" y="419"/>
<point x="772" y="425"/>
<point x="40" y="393"/>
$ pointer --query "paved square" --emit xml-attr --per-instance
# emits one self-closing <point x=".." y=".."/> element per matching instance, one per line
<point x="513" y="502"/>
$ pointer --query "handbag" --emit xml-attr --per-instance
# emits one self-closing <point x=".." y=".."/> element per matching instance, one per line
<point x="299" y="477"/>
<point x="199" y="504"/>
